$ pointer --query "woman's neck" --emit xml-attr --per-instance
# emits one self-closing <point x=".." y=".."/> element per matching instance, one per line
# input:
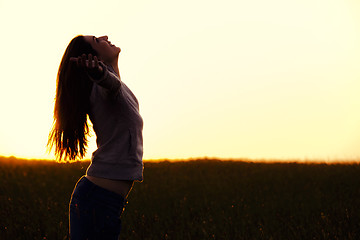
<point x="115" y="66"/>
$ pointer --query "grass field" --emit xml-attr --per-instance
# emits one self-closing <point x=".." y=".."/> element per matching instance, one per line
<point x="204" y="199"/>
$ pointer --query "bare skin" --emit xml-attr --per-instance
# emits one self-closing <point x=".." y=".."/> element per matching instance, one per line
<point x="121" y="187"/>
<point x="108" y="54"/>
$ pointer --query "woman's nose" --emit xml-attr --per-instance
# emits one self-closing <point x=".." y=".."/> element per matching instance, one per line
<point x="104" y="37"/>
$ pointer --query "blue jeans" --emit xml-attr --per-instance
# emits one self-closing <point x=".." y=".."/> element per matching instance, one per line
<point x="95" y="212"/>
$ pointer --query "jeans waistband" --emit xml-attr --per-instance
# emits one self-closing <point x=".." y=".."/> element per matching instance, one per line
<point x="89" y="189"/>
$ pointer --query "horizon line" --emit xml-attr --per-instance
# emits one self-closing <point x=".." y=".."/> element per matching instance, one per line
<point x="207" y="158"/>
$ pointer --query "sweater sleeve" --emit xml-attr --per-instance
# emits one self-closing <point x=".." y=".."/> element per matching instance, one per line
<point x="108" y="80"/>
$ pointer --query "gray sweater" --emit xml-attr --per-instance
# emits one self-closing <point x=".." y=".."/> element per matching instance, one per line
<point x="118" y="126"/>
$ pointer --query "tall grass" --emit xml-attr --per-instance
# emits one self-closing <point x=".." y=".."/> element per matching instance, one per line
<point x="193" y="200"/>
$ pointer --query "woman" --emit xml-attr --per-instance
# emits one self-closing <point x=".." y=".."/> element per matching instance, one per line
<point x="88" y="84"/>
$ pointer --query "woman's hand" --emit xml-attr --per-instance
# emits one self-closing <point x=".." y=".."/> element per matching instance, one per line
<point x="90" y="64"/>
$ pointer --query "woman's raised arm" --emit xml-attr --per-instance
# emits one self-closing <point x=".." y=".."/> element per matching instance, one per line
<point x="98" y="72"/>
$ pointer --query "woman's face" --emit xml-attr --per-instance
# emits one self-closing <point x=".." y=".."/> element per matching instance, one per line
<point x="107" y="52"/>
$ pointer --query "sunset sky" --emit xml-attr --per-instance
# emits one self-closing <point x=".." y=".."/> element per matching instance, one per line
<point x="255" y="79"/>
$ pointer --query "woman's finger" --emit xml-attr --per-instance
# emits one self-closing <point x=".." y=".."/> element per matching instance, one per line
<point x="74" y="59"/>
<point x="87" y="61"/>
<point x="83" y="60"/>
<point x="91" y="61"/>
<point x="97" y="65"/>
<point x="96" y="62"/>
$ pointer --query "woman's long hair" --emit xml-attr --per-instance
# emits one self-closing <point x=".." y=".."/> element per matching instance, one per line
<point x="73" y="88"/>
